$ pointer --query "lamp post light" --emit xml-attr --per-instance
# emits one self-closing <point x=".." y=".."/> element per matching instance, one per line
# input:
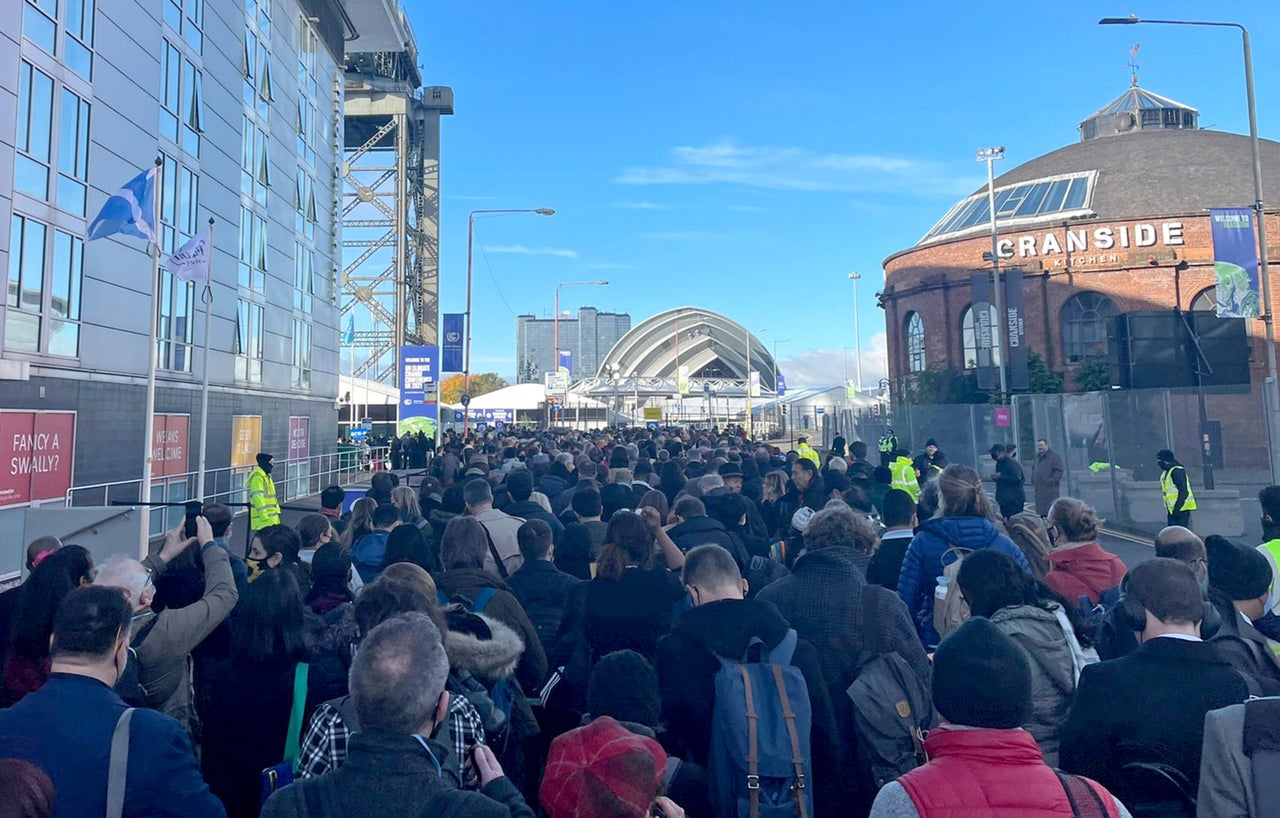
<point x="556" y="323"/>
<point x="857" y="335"/>
<point x="748" y="332"/>
<point x="466" y="346"/>
<point x="991" y="156"/>
<point x="1271" y="396"/>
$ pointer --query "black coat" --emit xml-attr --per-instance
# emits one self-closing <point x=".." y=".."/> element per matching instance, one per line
<point x="697" y="531"/>
<point x="631" y="613"/>
<point x="529" y="510"/>
<point x="822" y="599"/>
<point x="1147" y="707"/>
<point x="686" y="664"/>
<point x="1241" y="644"/>
<point x="543" y="591"/>
<point x="1010" y="492"/>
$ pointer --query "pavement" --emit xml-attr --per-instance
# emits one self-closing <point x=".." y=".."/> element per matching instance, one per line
<point x="1132" y="550"/>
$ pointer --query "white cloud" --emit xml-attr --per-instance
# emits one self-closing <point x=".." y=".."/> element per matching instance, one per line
<point x="801" y="169"/>
<point x="521" y="250"/>
<point x="826" y="367"/>
<point x="640" y="206"/>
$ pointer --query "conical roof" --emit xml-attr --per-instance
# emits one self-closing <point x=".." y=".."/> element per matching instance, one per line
<point x="1138" y="109"/>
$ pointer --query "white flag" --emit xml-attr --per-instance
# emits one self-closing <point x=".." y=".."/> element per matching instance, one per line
<point x="191" y="261"/>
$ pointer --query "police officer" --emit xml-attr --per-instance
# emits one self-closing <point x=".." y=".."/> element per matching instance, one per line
<point x="887" y="445"/>
<point x="1179" y="502"/>
<point x="803" y="449"/>
<point x="264" y="510"/>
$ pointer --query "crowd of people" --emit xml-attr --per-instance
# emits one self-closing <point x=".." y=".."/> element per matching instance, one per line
<point x="640" y="623"/>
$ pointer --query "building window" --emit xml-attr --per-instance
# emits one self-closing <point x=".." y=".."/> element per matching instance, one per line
<point x="179" y="199"/>
<point x="301" y="353"/>
<point x="73" y="153"/>
<point x="1084" y="325"/>
<point x="255" y="168"/>
<point x="186" y="17"/>
<point x="182" y="100"/>
<point x="32" y="280"/>
<point x="1150" y="116"/>
<point x="177" y="307"/>
<point x="35" y="131"/>
<point x="253" y="251"/>
<point x="304" y="278"/>
<point x="1206" y="300"/>
<point x="77" y="37"/>
<point x="247" y="343"/>
<point x="256" y="68"/>
<point x="1172" y="117"/>
<point x="304" y="197"/>
<point x="40" y="23"/>
<point x="969" y="338"/>
<point x="915" y="342"/>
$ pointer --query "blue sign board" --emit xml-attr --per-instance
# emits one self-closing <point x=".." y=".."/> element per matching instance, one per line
<point x="782" y="385"/>
<point x="652" y="425"/>
<point x="451" y="332"/>
<point x="486" y="415"/>
<point x="418" y="410"/>
<point x="358" y="434"/>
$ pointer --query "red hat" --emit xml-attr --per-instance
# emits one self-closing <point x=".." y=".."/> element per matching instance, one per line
<point x="602" y="770"/>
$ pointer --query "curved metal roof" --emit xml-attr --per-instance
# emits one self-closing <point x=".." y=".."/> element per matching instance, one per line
<point x="710" y="344"/>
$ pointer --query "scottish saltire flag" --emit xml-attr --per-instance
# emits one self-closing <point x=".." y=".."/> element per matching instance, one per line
<point x="191" y="261"/>
<point x="349" y="337"/>
<point x="130" y="210"/>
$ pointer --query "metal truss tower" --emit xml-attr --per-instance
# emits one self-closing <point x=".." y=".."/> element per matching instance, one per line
<point x="390" y="207"/>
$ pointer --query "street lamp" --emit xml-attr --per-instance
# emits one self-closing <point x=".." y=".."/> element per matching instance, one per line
<point x="466" y="347"/>
<point x="990" y="156"/>
<point x="1272" y="400"/>
<point x="857" y="335"/>
<point x="777" y="399"/>
<point x="556" y="324"/>
<point x="748" y="332"/>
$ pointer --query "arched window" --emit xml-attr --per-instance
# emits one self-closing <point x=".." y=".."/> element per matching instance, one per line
<point x="1084" y="325"/>
<point x="1206" y="300"/>
<point x="915" y="342"/>
<point x="969" y="338"/>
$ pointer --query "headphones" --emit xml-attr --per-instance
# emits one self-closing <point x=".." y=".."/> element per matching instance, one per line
<point x="1132" y="616"/>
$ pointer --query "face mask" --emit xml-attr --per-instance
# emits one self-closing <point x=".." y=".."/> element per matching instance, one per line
<point x="256" y="568"/>
<point x="267" y="467"/>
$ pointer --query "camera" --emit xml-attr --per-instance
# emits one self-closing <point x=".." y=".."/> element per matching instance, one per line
<point x="194" y="509"/>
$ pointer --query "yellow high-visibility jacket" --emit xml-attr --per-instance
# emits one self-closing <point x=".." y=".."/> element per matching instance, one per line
<point x="807" y="452"/>
<point x="264" y="510"/>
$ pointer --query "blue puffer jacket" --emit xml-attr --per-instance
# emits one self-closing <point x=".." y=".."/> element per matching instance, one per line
<point x="923" y="563"/>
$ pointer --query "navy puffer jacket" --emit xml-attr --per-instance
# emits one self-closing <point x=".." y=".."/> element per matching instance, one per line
<point x="923" y="563"/>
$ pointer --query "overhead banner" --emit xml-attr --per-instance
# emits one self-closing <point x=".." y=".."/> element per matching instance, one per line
<point x="246" y="440"/>
<point x="169" y="437"/>
<point x="1235" y="261"/>
<point x="452" y="326"/>
<point x="782" y="385"/>
<point x="564" y="361"/>
<point x="36" y="453"/>
<point x="754" y="384"/>
<point x="1016" y="329"/>
<point x="980" y="292"/>
<point x="682" y="380"/>
<point x="418" y="407"/>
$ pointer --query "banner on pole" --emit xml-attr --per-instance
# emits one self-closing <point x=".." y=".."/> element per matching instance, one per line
<point x="682" y="380"/>
<point x="782" y="385"/>
<point x="451" y="333"/>
<point x="418" y="408"/>
<point x="564" y="361"/>
<point x="980" y="293"/>
<point x="754" y="384"/>
<point x="1235" y="261"/>
<point x="1016" y="330"/>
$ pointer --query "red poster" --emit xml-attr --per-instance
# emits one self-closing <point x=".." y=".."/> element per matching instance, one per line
<point x="36" y="454"/>
<point x="299" y="438"/>
<point x="169" y="437"/>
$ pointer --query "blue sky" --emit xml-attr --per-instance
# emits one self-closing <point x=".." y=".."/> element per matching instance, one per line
<point x="746" y="156"/>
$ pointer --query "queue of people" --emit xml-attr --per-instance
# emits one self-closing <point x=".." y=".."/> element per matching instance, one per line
<point x="636" y="623"/>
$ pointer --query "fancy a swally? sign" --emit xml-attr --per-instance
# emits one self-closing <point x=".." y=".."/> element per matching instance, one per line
<point x="36" y="454"/>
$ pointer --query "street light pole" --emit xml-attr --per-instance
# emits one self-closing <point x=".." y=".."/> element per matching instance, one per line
<point x="1271" y="397"/>
<point x="777" y="399"/>
<point x="857" y="334"/>
<point x="466" y="347"/>
<point x="990" y="155"/>
<point x="556" y="323"/>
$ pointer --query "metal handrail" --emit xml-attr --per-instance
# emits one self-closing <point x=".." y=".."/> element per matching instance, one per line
<point x="227" y="484"/>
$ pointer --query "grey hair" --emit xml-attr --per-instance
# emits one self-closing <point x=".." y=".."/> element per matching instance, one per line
<point x="622" y="477"/>
<point x="120" y="571"/>
<point x="398" y="675"/>
<point x="838" y="464"/>
<point x="838" y="525"/>
<point x="707" y="482"/>
<point x="477" y="491"/>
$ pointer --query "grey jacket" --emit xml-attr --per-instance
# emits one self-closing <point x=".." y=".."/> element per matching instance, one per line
<point x="1227" y="774"/>
<point x="1053" y="681"/>
<point x="164" y="654"/>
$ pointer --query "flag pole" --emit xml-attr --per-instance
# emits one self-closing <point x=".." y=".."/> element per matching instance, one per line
<point x="207" y="298"/>
<point x="148" y="437"/>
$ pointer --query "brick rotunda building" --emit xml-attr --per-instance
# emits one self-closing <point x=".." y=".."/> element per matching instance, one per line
<point x="1117" y="222"/>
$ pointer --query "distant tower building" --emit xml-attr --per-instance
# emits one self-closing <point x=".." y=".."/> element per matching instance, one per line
<point x="589" y="337"/>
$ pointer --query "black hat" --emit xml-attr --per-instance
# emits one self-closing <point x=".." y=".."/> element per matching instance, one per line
<point x="1166" y="455"/>
<point x="730" y="470"/>
<point x="802" y="439"/>
<point x="623" y="685"/>
<point x="981" y="678"/>
<point x="263" y="458"/>
<point x="1236" y="570"/>
<point x="930" y="442"/>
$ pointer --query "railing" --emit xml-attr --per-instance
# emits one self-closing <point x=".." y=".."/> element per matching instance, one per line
<point x="294" y="479"/>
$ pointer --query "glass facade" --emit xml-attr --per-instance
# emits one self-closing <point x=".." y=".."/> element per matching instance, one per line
<point x="915" y="342"/>
<point x="1084" y="325"/>
<point x="1024" y="202"/>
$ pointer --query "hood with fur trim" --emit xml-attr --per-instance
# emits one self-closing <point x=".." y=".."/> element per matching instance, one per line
<point x="492" y="658"/>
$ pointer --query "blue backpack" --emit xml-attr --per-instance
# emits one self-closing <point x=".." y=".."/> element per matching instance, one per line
<point x="760" y="764"/>
<point x="503" y="691"/>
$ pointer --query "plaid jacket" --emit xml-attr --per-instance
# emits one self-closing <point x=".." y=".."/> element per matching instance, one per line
<point x="324" y="746"/>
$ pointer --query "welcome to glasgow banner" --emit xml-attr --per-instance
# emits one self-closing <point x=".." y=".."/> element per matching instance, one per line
<point x="1235" y="260"/>
<point x="452" y="327"/>
<point x="564" y="361"/>
<point x="419" y="409"/>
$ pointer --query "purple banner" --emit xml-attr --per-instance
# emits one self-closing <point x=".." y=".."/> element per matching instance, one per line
<point x="1235" y="261"/>
<point x="299" y="438"/>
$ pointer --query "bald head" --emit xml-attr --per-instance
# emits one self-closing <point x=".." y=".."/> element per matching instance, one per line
<point x="1184" y="545"/>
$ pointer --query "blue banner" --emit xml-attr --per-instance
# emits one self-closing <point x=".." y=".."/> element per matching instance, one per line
<point x="565" y="361"/>
<point x="1235" y="260"/>
<point x="486" y="415"/>
<point x="418" y="409"/>
<point x="452" y="327"/>
<point x="782" y="385"/>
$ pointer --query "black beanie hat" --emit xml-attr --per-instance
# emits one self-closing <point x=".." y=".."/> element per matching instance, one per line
<point x="624" y="686"/>
<point x="981" y="678"/>
<point x="1236" y="570"/>
<point x="263" y="459"/>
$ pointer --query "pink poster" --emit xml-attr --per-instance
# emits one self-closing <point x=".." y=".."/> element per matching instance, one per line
<point x="299" y="438"/>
